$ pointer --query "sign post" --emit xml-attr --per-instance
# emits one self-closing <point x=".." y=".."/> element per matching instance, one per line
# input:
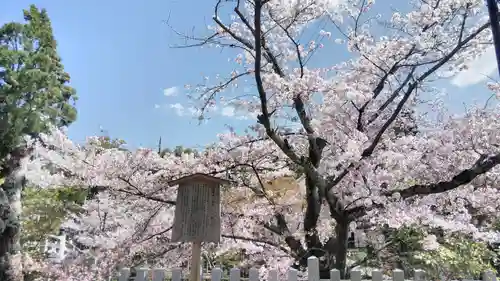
<point x="194" y="274"/>
<point x="197" y="214"/>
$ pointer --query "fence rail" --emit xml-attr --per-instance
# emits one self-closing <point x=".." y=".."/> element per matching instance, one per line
<point x="145" y="274"/>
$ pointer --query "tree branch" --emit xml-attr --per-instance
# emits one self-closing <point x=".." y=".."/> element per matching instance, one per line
<point x="256" y="240"/>
<point x="482" y="166"/>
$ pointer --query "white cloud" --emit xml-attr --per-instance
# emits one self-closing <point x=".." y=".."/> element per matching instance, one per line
<point x="157" y="106"/>
<point x="170" y="92"/>
<point x="249" y="116"/>
<point x="478" y="70"/>
<point x="231" y="112"/>
<point x="193" y="111"/>
<point x="228" y="111"/>
<point x="178" y="108"/>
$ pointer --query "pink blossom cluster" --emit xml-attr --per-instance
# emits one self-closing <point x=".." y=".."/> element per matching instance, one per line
<point x="380" y="177"/>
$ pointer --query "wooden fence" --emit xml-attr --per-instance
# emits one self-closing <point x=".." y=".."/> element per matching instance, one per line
<point x="144" y="274"/>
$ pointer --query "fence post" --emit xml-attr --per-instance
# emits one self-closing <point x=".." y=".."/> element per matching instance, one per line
<point x="46" y="246"/>
<point x="489" y="276"/>
<point x="216" y="274"/>
<point x="398" y="275"/>
<point x="141" y="274"/>
<point x="124" y="274"/>
<point x="377" y="275"/>
<point x="312" y="269"/>
<point x="334" y="275"/>
<point x="419" y="275"/>
<point x="176" y="274"/>
<point x="253" y="274"/>
<point x="234" y="274"/>
<point x="273" y="275"/>
<point x="62" y="247"/>
<point x="158" y="274"/>
<point x="292" y="274"/>
<point x="355" y="275"/>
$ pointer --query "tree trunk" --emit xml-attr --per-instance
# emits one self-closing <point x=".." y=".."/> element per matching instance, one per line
<point x="334" y="251"/>
<point x="11" y="267"/>
<point x="342" y="234"/>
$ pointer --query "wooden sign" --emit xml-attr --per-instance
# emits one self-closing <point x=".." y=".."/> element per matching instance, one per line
<point x="197" y="214"/>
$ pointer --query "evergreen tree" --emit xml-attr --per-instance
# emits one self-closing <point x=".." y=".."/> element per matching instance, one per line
<point x="33" y="95"/>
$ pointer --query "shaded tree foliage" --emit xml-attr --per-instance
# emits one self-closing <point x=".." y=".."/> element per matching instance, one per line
<point x="34" y="94"/>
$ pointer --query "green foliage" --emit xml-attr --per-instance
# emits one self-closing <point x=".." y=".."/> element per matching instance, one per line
<point x="43" y="212"/>
<point x="226" y="261"/>
<point x="230" y="259"/>
<point x="178" y="150"/>
<point x="457" y="258"/>
<point x="45" y="209"/>
<point x="400" y="245"/>
<point x="108" y="143"/>
<point x="407" y="239"/>
<point x="33" y="83"/>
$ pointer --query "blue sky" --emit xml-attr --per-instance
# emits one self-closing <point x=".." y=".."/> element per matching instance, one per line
<point x="119" y="57"/>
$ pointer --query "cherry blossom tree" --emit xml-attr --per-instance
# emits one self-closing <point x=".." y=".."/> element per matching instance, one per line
<point x="337" y="122"/>
<point x="128" y="221"/>
<point x="340" y="125"/>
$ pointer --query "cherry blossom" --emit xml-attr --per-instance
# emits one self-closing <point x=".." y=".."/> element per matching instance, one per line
<point x="349" y="128"/>
<point x="344" y="124"/>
